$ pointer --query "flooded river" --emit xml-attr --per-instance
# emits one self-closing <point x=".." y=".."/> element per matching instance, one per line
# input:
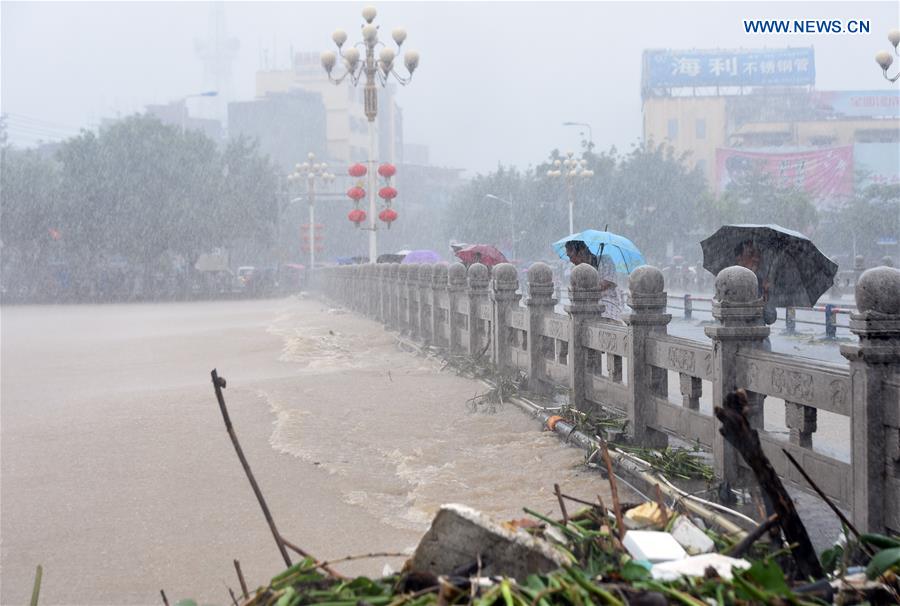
<point x="119" y="478"/>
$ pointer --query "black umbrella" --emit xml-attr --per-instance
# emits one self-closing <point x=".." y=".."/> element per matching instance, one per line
<point x="797" y="271"/>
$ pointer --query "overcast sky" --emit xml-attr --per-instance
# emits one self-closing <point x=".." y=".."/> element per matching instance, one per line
<point x="496" y="80"/>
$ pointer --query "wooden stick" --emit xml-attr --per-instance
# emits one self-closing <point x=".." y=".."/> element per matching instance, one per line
<point x="163" y="594"/>
<point x="739" y="548"/>
<point x="660" y="502"/>
<point x="218" y="385"/>
<point x="306" y="554"/>
<point x="381" y="554"/>
<point x="828" y="502"/>
<point x="562" y="504"/>
<point x="240" y="575"/>
<point x="36" y="590"/>
<point x="737" y="431"/>
<point x="617" y="507"/>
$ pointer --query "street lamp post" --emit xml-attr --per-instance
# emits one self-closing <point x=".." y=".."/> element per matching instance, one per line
<point x="570" y="169"/>
<point x="512" y="219"/>
<point x="884" y="59"/>
<point x="590" y="139"/>
<point x="184" y="109"/>
<point x="311" y="171"/>
<point x="376" y="71"/>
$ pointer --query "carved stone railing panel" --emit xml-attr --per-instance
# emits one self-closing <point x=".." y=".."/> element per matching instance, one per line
<point x="518" y="319"/>
<point x="607" y="337"/>
<point x="604" y="392"/>
<point x="687" y="424"/>
<point x="681" y="355"/>
<point x="831" y="475"/>
<point x="812" y="383"/>
<point x="556" y="327"/>
<point x="485" y="311"/>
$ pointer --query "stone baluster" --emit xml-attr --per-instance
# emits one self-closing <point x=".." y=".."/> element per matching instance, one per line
<point x="875" y="405"/>
<point x="426" y="304"/>
<point x="691" y="390"/>
<point x="456" y="289"/>
<point x="403" y="299"/>
<point x="478" y="277"/>
<point x="584" y="306"/>
<point x="539" y="304"/>
<point x="367" y="290"/>
<point x="504" y="284"/>
<point x="739" y="311"/>
<point x="439" y="286"/>
<point x="648" y="318"/>
<point x="412" y="296"/>
<point x="801" y="422"/>
<point x="394" y="296"/>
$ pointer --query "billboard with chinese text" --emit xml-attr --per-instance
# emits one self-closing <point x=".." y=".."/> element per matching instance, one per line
<point x="859" y="103"/>
<point x="770" y="67"/>
<point x="825" y="174"/>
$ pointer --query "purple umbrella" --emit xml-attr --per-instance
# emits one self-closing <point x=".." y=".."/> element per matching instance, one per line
<point x="421" y="256"/>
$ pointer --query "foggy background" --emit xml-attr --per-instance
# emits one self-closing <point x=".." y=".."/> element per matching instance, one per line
<point x="496" y="80"/>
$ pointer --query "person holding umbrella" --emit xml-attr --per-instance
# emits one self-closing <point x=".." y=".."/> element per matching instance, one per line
<point x="746" y="254"/>
<point x="790" y="270"/>
<point x="610" y="293"/>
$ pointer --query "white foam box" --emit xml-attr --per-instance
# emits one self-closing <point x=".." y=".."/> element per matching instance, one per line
<point x="653" y="546"/>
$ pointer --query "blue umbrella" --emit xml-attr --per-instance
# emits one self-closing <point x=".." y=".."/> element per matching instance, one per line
<point x="620" y="249"/>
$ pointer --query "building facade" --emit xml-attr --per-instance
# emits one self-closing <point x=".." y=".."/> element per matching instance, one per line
<point x="737" y="110"/>
<point x="287" y="125"/>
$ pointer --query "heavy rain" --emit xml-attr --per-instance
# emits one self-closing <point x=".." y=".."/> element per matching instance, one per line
<point x="469" y="302"/>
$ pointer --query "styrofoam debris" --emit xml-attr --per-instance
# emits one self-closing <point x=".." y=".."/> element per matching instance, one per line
<point x="695" y="566"/>
<point x="652" y="546"/>
<point x="694" y="540"/>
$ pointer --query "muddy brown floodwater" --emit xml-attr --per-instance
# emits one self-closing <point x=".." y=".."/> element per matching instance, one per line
<point x="119" y="478"/>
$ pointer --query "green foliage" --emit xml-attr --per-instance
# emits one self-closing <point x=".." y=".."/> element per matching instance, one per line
<point x="883" y="561"/>
<point x="757" y="198"/>
<point x="137" y="190"/>
<point x="647" y="195"/>
<point x="855" y="225"/>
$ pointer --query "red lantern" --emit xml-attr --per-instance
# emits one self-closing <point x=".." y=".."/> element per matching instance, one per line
<point x="357" y="215"/>
<point x="388" y="193"/>
<point x="356" y="193"/>
<point x="387" y="170"/>
<point x="388" y="215"/>
<point x="357" y="170"/>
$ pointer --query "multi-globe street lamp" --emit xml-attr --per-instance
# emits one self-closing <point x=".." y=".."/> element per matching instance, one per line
<point x="311" y="171"/>
<point x="571" y="170"/>
<point x="376" y="71"/>
<point x="884" y="58"/>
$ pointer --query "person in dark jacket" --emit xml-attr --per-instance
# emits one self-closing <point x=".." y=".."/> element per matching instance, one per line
<point x="748" y="255"/>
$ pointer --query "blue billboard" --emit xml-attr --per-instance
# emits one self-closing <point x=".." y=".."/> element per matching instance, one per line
<point x="775" y="67"/>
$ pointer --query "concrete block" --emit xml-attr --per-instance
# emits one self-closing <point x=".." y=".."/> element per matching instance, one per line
<point x="459" y="534"/>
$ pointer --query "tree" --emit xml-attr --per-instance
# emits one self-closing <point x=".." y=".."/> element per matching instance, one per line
<point x="757" y="198"/>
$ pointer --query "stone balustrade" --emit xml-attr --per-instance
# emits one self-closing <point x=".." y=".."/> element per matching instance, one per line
<point x="631" y="367"/>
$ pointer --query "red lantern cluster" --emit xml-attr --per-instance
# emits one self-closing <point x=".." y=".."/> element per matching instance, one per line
<point x="357" y="215"/>
<point x="388" y="215"/>
<point x="387" y="193"/>
<point x="356" y="193"/>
